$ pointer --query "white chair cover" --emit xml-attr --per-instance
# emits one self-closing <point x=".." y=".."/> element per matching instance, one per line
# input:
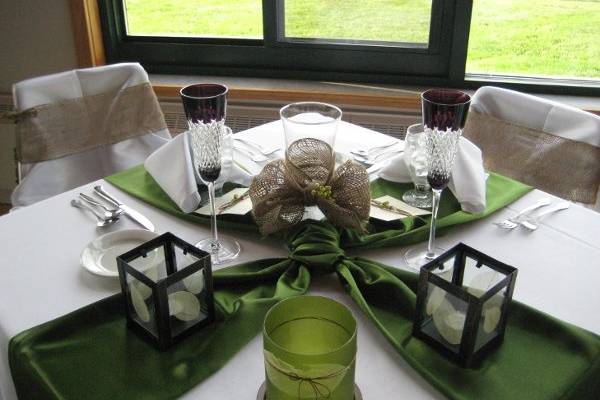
<point x="40" y="180"/>
<point x="537" y="114"/>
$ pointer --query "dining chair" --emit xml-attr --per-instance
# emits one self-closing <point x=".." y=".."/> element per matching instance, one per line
<point x="540" y="142"/>
<point x="78" y="126"/>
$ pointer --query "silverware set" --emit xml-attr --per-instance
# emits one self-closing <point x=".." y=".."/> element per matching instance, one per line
<point x="108" y="215"/>
<point x="253" y="150"/>
<point x="377" y="154"/>
<point x="526" y="217"/>
<point x="259" y="153"/>
<point x="101" y="217"/>
<point x="257" y="146"/>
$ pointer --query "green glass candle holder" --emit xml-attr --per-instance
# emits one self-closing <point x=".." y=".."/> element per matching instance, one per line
<point x="310" y="350"/>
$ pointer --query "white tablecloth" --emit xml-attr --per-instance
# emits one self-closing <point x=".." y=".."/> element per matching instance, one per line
<point x="41" y="278"/>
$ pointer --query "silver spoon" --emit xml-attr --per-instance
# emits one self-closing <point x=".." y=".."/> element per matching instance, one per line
<point x="110" y="213"/>
<point x="101" y="221"/>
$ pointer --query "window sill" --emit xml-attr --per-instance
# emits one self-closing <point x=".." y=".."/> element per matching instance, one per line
<point x="364" y="96"/>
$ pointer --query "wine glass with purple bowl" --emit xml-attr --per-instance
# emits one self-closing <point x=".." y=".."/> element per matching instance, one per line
<point x="205" y="105"/>
<point x="444" y="116"/>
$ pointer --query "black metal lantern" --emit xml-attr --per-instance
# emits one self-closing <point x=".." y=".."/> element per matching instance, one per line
<point x="167" y="286"/>
<point x="462" y="303"/>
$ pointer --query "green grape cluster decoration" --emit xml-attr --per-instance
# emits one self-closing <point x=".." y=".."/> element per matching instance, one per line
<point x="322" y="191"/>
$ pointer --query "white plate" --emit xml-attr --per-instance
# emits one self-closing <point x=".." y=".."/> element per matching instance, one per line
<point x="100" y="255"/>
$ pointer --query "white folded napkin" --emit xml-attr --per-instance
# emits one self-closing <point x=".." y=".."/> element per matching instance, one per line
<point x="467" y="181"/>
<point x="172" y="168"/>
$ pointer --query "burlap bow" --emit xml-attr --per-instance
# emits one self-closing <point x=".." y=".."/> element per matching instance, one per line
<point x="307" y="177"/>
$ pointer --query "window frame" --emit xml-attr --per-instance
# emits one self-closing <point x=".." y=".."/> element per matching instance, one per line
<point x="441" y="63"/>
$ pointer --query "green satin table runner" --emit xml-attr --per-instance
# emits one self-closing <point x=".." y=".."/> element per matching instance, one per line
<point x="89" y="353"/>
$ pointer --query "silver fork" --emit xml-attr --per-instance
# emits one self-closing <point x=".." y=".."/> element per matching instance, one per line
<point x="513" y="222"/>
<point x="259" y="147"/>
<point x="376" y="158"/>
<point x="534" y="222"/>
<point x="366" y="153"/>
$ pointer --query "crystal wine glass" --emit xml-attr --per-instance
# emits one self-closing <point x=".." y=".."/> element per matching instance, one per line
<point x="415" y="153"/>
<point x="444" y="116"/>
<point x="205" y="106"/>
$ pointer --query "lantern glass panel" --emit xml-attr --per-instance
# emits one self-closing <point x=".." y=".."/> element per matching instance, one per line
<point x="478" y="278"/>
<point x="446" y="273"/>
<point x="149" y="265"/>
<point x="491" y="313"/>
<point x="183" y="260"/>
<point x="141" y="300"/>
<point x="444" y="318"/>
<point x="153" y="264"/>
<point x="187" y="298"/>
<point x="141" y="304"/>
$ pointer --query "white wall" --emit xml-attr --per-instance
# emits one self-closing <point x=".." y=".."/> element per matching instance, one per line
<point x="37" y="39"/>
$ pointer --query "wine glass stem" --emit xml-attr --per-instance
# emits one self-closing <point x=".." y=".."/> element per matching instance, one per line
<point x="213" y="218"/>
<point x="435" y="205"/>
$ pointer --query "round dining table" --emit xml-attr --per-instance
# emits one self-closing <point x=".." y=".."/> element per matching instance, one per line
<point x="41" y="277"/>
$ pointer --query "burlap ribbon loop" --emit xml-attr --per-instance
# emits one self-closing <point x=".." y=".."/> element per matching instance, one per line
<point x="561" y="166"/>
<point x="308" y="177"/>
<point x="18" y="116"/>
<point x="70" y="126"/>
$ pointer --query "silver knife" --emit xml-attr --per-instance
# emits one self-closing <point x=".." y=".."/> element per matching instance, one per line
<point x="130" y="212"/>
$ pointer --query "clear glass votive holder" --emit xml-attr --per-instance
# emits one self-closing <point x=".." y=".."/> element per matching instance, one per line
<point x="309" y="349"/>
<point x="310" y="120"/>
<point x="415" y="156"/>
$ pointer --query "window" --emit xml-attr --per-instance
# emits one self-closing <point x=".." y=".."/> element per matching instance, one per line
<point x="423" y="42"/>
<point x="554" y="39"/>
<point x="202" y="19"/>
<point x="376" y="22"/>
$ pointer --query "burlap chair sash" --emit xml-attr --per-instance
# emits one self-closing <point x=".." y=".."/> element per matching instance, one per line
<point x="307" y="177"/>
<point x="557" y="165"/>
<point x="67" y="127"/>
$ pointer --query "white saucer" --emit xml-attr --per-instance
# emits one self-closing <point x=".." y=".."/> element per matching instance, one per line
<point x="100" y="255"/>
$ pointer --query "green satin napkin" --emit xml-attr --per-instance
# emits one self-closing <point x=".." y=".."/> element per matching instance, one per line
<point x="89" y="353"/>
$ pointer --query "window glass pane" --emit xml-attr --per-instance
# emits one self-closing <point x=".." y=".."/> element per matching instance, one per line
<point x="198" y="18"/>
<point x="373" y="20"/>
<point x="555" y="38"/>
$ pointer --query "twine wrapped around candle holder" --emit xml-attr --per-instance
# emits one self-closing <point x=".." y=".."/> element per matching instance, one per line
<point x="317" y="383"/>
<point x="307" y="177"/>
